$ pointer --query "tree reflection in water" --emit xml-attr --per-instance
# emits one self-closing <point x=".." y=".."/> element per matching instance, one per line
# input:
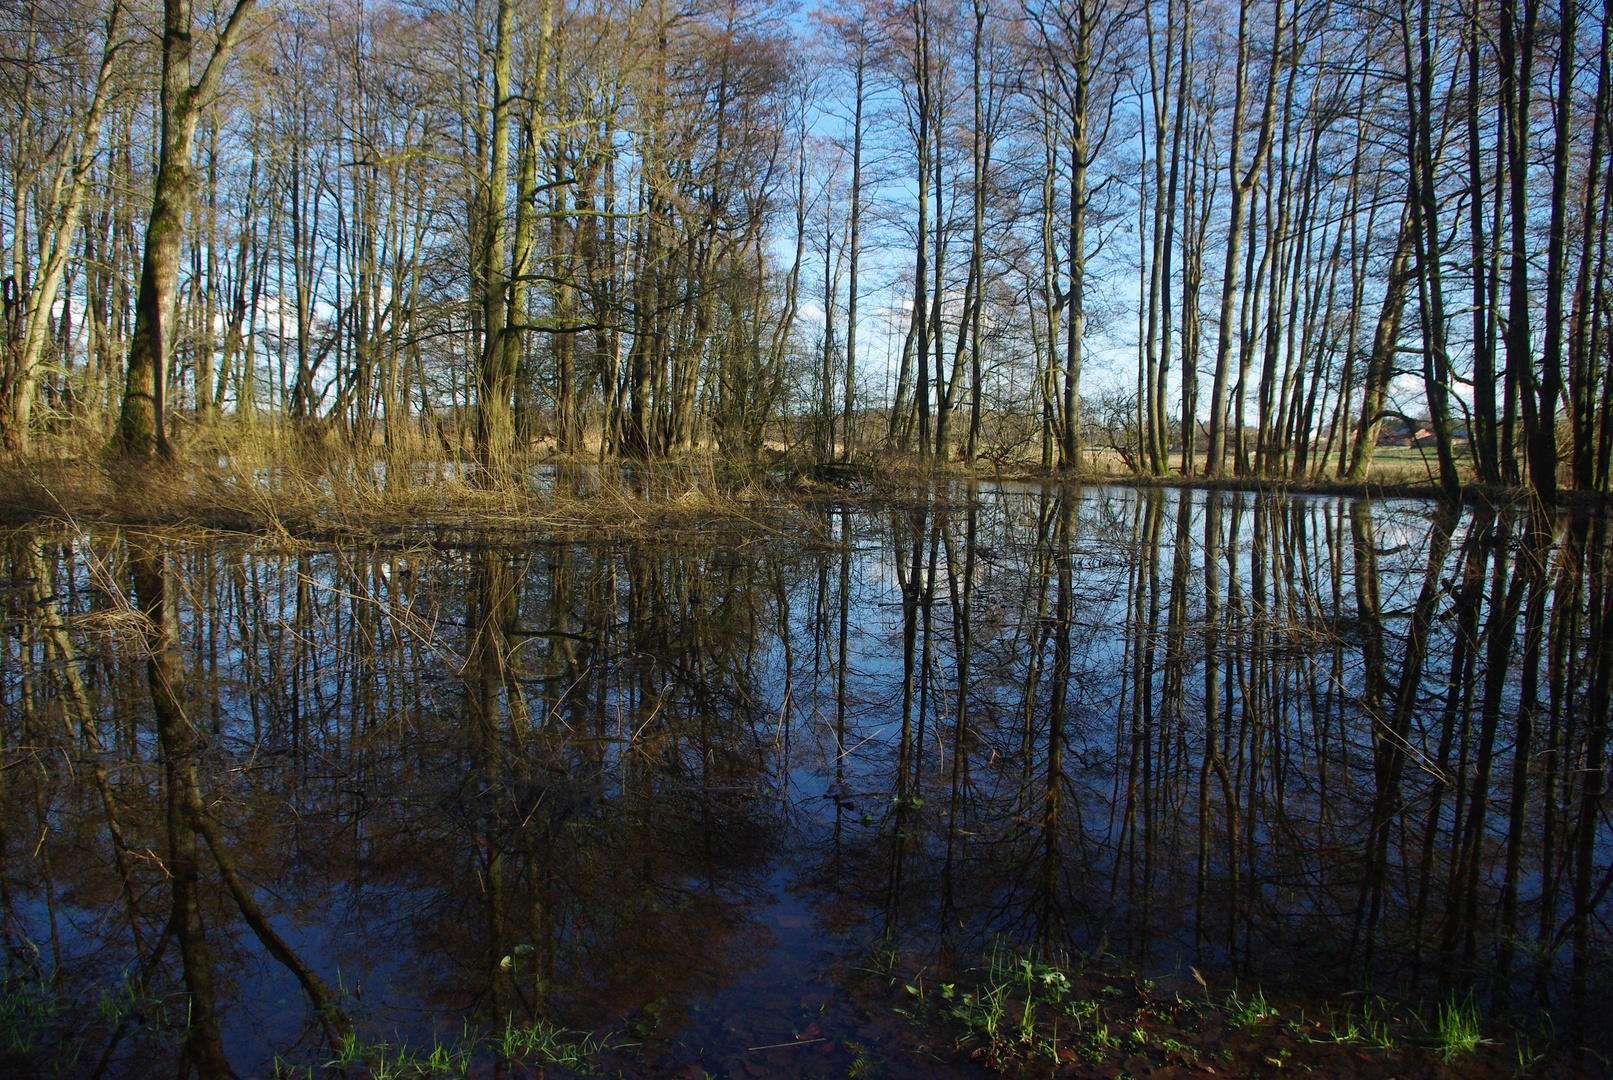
<point x="292" y="791"/>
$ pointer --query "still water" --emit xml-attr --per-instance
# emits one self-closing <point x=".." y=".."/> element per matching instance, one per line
<point x="681" y="787"/>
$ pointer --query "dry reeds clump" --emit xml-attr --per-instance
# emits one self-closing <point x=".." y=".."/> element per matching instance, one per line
<point x="308" y="488"/>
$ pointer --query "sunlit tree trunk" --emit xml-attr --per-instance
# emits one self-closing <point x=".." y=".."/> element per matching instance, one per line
<point x="29" y="311"/>
<point x="860" y="44"/>
<point x="1380" y="362"/>
<point x="141" y="426"/>
<point x="1242" y="184"/>
<point x="495" y="381"/>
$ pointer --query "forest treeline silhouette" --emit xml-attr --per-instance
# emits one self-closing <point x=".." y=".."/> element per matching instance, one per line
<point x="1271" y="235"/>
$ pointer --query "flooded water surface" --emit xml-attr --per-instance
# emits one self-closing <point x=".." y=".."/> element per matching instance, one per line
<point x="680" y="791"/>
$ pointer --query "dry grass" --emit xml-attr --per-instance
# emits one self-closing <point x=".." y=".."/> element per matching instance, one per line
<point x="288" y="486"/>
<point x="252" y="483"/>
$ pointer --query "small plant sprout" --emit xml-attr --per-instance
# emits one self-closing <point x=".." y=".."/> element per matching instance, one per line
<point x="346" y="1051"/>
<point x="1055" y="984"/>
<point x="862" y="1063"/>
<point x="1173" y="1046"/>
<point x="1242" y="1014"/>
<point x="994" y="1002"/>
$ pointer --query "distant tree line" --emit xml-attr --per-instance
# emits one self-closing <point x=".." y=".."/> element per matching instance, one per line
<point x="644" y="229"/>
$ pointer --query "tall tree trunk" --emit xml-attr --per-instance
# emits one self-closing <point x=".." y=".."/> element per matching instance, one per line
<point x="1583" y="362"/>
<point x="495" y="381"/>
<point x="141" y="426"/>
<point x="1549" y="390"/>
<point x="1425" y="223"/>
<point x="920" y="123"/>
<point x="1242" y="186"/>
<point x="1516" y="62"/>
<point x="1482" y="437"/>
<point x="859" y="77"/>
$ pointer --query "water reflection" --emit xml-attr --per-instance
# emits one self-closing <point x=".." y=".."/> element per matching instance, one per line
<point x="290" y="793"/>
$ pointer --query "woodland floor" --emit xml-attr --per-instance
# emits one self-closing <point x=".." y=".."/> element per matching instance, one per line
<point x="1092" y="1024"/>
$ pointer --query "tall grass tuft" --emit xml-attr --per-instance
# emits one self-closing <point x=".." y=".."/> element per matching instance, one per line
<point x="1458" y="1029"/>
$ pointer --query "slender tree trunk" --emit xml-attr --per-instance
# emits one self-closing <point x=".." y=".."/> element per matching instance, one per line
<point x="495" y="382"/>
<point x="860" y="72"/>
<point x="1482" y="437"/>
<point x="26" y="349"/>
<point x="1380" y="362"/>
<point x="1242" y="185"/>
<point x="1583" y="362"/>
<point x="1516" y="62"/>
<point x="1543" y="437"/>
<point x="1425" y="224"/>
